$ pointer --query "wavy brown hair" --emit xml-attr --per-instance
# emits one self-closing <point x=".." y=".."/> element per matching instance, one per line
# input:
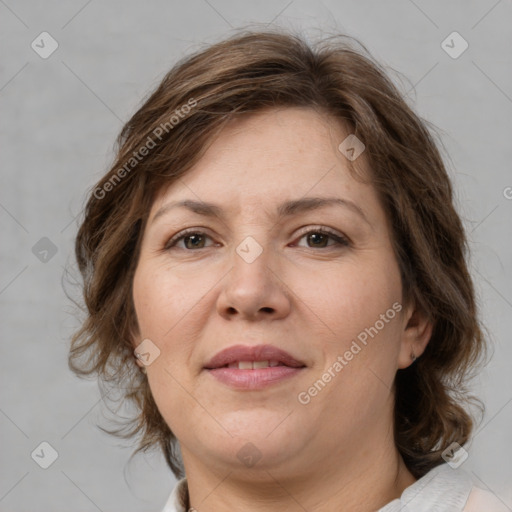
<point x="251" y="71"/>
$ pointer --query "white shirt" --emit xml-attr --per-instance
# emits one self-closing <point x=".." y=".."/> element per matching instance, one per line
<point x="442" y="489"/>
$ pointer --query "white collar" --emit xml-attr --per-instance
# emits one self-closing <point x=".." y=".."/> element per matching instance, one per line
<point x="442" y="489"/>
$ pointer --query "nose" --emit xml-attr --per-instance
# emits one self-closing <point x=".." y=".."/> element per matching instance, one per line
<point x="252" y="290"/>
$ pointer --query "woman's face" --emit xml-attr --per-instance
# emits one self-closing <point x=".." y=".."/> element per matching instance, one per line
<point x="284" y="249"/>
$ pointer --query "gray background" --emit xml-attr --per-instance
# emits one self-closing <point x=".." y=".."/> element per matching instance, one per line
<point x="60" y="117"/>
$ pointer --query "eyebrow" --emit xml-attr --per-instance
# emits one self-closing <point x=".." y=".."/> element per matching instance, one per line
<point x="286" y="209"/>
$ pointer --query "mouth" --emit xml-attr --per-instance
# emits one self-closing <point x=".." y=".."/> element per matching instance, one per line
<point x="246" y="357"/>
<point x="253" y="367"/>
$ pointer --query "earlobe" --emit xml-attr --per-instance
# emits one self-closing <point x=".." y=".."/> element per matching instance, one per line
<point x="134" y="336"/>
<point x="140" y="364"/>
<point x="416" y="334"/>
<point x="138" y="361"/>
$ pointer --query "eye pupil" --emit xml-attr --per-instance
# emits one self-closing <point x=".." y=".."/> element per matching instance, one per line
<point x="315" y="236"/>
<point x="192" y="237"/>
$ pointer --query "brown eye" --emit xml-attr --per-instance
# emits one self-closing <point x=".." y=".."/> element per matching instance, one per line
<point x="196" y="241"/>
<point x="316" y="238"/>
<point x="192" y="239"/>
<point x="319" y="238"/>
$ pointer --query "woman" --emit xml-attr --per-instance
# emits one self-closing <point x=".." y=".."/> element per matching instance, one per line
<point x="275" y="271"/>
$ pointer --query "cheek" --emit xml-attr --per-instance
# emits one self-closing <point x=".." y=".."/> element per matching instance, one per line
<point x="171" y="309"/>
<point x="162" y="299"/>
<point x="360" y="309"/>
<point x="163" y="308"/>
<point x="353" y="299"/>
<point x="354" y="386"/>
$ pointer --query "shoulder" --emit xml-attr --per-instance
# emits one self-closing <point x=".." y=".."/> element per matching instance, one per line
<point x="484" y="501"/>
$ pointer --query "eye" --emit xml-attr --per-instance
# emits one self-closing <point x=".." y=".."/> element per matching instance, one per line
<point x="319" y="237"/>
<point x="192" y="238"/>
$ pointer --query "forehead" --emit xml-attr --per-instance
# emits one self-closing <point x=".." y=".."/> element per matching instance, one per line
<point x="263" y="158"/>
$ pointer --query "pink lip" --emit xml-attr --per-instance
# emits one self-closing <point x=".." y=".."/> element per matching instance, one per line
<point x="253" y="379"/>
<point x="254" y="353"/>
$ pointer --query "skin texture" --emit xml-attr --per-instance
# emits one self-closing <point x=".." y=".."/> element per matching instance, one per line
<point x="306" y="294"/>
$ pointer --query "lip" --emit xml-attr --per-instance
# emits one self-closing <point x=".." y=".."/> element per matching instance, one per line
<point x="255" y="378"/>
<point x="252" y="353"/>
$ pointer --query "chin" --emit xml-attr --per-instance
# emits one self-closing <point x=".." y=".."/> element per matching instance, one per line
<point x="255" y="423"/>
<point x="258" y="439"/>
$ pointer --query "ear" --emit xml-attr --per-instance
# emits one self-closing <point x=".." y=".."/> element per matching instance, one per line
<point x="416" y="332"/>
<point x="138" y="362"/>
<point x="135" y="340"/>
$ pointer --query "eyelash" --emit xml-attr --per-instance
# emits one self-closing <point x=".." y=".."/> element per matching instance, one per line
<point x="339" y="239"/>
